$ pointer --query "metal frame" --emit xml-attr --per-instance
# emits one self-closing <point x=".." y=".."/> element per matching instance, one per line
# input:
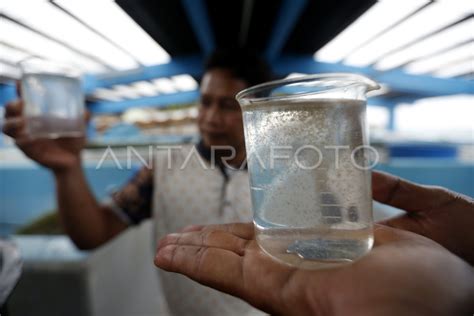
<point x="288" y="15"/>
<point x="191" y="65"/>
<point x="398" y="80"/>
<point x="197" y="15"/>
<point x="159" y="101"/>
<point x="413" y="86"/>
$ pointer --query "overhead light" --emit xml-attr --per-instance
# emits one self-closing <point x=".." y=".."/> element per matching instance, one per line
<point x="48" y="19"/>
<point x="184" y="82"/>
<point x="106" y="94"/>
<point x="28" y="40"/>
<point x="448" y="38"/>
<point x="9" y="71"/>
<point x="137" y="115"/>
<point x="164" y="85"/>
<point x="380" y="16"/>
<point x="457" y="69"/>
<point x="12" y="55"/>
<point x="115" y="24"/>
<point x="145" y="88"/>
<point x="433" y="17"/>
<point x="431" y="64"/>
<point x="126" y="92"/>
<point x="377" y="116"/>
<point x="295" y="75"/>
<point x="458" y="118"/>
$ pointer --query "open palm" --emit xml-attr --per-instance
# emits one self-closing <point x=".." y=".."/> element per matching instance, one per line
<point x="411" y="270"/>
<point x="227" y="258"/>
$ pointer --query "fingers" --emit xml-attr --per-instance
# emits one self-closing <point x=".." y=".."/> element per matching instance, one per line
<point x="14" y="127"/>
<point x="407" y="222"/>
<point x="15" y="123"/>
<point x="192" y="228"/>
<point x="242" y="230"/>
<point x="211" y="255"/>
<point x="384" y="235"/>
<point x="218" y="268"/>
<point x="391" y="190"/>
<point x="207" y="238"/>
<point x="215" y="256"/>
<point x="14" y="109"/>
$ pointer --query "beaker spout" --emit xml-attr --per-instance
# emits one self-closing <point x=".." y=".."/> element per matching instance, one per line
<point x="370" y="85"/>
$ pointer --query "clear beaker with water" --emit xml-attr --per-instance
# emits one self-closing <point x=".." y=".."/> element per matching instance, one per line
<point x="53" y="99"/>
<point x="309" y="164"/>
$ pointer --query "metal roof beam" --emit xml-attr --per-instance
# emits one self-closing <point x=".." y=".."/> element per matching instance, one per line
<point x="397" y="80"/>
<point x="287" y="18"/>
<point x="162" y="100"/>
<point x="191" y="65"/>
<point x="199" y="20"/>
<point x="245" y="22"/>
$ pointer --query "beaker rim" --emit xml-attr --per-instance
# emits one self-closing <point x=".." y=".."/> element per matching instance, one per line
<point x="344" y="81"/>
<point x="40" y="65"/>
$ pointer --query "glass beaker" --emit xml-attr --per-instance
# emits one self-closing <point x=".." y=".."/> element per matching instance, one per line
<point x="53" y="99"/>
<point x="309" y="164"/>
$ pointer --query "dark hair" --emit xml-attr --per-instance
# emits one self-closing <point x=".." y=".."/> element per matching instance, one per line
<point x="242" y="64"/>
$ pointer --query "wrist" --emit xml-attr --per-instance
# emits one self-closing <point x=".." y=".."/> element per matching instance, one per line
<point x="67" y="168"/>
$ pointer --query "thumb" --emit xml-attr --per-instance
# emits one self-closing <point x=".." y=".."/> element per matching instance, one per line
<point x="384" y="234"/>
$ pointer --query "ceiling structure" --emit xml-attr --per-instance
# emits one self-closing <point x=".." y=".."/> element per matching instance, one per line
<point x="150" y="52"/>
<point x="247" y="23"/>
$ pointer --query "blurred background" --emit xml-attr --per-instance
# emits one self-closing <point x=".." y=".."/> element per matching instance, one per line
<point x="142" y="62"/>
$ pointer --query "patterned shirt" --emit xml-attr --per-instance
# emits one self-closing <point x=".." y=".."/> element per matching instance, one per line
<point x="191" y="191"/>
<point x="133" y="202"/>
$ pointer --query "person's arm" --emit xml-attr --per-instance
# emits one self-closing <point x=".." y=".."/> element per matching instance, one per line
<point x="90" y="224"/>
<point x="84" y="220"/>
<point x="87" y="223"/>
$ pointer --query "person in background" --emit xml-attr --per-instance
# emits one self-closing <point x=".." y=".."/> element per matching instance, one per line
<point x="421" y="263"/>
<point x="181" y="187"/>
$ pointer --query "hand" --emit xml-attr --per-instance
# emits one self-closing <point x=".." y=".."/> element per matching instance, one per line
<point x="56" y="154"/>
<point x="405" y="274"/>
<point x="434" y="212"/>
